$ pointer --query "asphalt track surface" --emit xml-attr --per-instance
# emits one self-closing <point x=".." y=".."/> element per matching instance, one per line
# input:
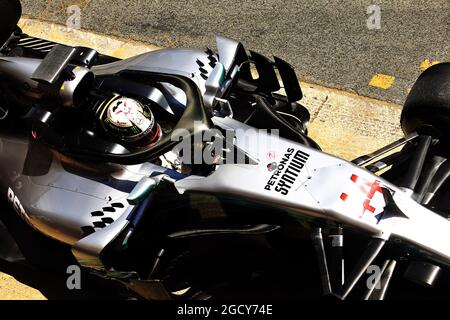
<point x="328" y="42"/>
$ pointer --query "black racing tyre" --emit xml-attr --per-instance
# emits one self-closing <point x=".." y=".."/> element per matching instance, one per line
<point x="10" y="12"/>
<point x="427" y="107"/>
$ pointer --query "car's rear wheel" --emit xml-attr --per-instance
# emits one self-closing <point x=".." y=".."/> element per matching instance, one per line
<point x="10" y="12"/>
<point x="427" y="107"/>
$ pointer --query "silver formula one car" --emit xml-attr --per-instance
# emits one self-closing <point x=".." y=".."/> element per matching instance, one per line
<point x="189" y="174"/>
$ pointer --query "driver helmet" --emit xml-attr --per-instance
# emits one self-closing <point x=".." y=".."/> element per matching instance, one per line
<point x="129" y="121"/>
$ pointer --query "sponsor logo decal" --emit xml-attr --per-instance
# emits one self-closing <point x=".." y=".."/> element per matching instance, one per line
<point x="15" y="202"/>
<point x="365" y="197"/>
<point x="367" y="188"/>
<point x="371" y="197"/>
<point x="271" y="155"/>
<point x="272" y="166"/>
<point x="286" y="171"/>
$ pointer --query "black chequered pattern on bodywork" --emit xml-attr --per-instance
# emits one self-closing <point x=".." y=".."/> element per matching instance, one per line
<point x="102" y="218"/>
<point x="212" y="61"/>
